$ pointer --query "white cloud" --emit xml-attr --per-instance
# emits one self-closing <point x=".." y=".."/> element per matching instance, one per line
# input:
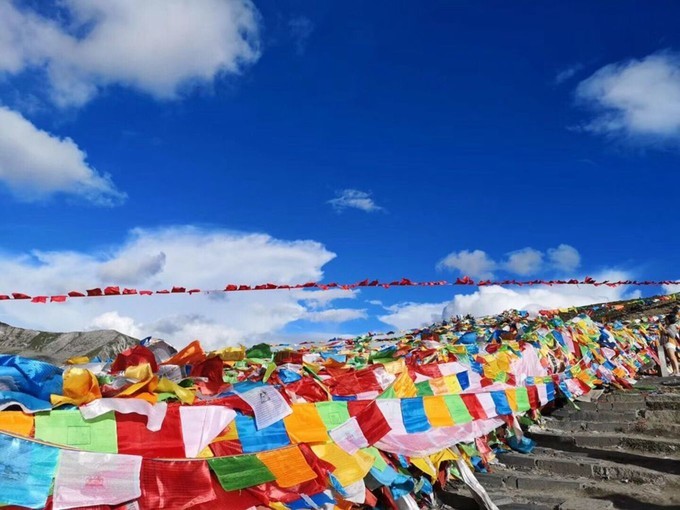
<point x="494" y="299"/>
<point x="564" y="257"/>
<point x="35" y="164"/>
<point x="301" y="28"/>
<point x="336" y="315"/>
<point x="132" y="268"/>
<point x="354" y="199"/>
<point x="412" y="315"/>
<point x="155" y="46"/>
<point x="112" y="320"/>
<point x="670" y="289"/>
<point x="475" y="264"/>
<point x="524" y="262"/>
<point x="568" y="73"/>
<point x="314" y="299"/>
<point x="192" y="257"/>
<point x="635" y="99"/>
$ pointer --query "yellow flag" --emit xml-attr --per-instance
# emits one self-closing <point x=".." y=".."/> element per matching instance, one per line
<point x="165" y="385"/>
<point x="404" y="386"/>
<point x="437" y="411"/>
<point x="80" y="387"/>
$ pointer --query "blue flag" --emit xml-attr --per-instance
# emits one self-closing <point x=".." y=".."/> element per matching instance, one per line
<point x="26" y="472"/>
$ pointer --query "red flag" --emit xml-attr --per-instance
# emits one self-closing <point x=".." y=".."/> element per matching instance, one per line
<point x="19" y="295"/>
<point x="175" y="484"/>
<point x="75" y="293"/>
<point x="39" y="299"/>
<point x="212" y="368"/>
<point x="178" y="290"/>
<point x="94" y="292"/>
<point x="372" y="422"/>
<point x="135" y="439"/>
<point x="132" y="357"/>
<point x="534" y="400"/>
<point x="234" y="500"/>
<point x="58" y="299"/>
<point x="473" y="406"/>
<point x="128" y="292"/>
<point x="112" y="291"/>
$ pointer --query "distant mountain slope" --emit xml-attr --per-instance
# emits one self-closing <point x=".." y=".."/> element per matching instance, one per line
<point x="58" y="347"/>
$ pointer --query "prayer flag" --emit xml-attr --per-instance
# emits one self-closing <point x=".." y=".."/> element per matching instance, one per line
<point x="305" y="425"/>
<point x="67" y="427"/>
<point x="240" y="472"/>
<point x="26" y="471"/>
<point x="267" y="403"/>
<point x="202" y="424"/>
<point x="413" y="412"/>
<point x="179" y="485"/>
<point x="135" y="438"/>
<point x="16" y="422"/>
<point x="258" y="440"/>
<point x="333" y="413"/>
<point x="458" y="409"/>
<point x="437" y="412"/>
<point x="288" y="465"/>
<point x="88" y="479"/>
<point x="155" y="413"/>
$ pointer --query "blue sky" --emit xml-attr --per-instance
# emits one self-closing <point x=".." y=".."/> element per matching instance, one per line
<point x="380" y="139"/>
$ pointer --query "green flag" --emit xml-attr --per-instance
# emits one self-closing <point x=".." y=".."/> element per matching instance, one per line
<point x="459" y="412"/>
<point x="68" y="428"/>
<point x="332" y="413"/>
<point x="522" y="397"/>
<point x="240" y="471"/>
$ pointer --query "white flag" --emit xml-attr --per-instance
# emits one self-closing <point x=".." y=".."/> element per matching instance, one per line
<point x="349" y="436"/>
<point x="202" y="424"/>
<point x="268" y="405"/>
<point x="155" y="413"/>
<point x="90" y="479"/>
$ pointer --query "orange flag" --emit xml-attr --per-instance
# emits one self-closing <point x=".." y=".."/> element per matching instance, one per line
<point x="190" y="355"/>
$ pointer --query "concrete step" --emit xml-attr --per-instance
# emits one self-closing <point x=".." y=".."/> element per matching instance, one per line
<point x="574" y="464"/>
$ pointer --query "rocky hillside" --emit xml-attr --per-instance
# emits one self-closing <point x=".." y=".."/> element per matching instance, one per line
<point x="58" y="347"/>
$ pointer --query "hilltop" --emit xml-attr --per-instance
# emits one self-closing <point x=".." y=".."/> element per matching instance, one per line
<point x="58" y="347"/>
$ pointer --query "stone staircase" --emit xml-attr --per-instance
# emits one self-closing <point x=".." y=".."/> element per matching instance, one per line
<point x="621" y="451"/>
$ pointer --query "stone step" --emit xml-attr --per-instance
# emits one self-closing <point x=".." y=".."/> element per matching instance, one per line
<point x="608" y="406"/>
<point x="625" y="444"/>
<point x="628" y="397"/>
<point x="626" y="416"/>
<point x="591" y="426"/>
<point x="669" y="401"/>
<point x="565" y="492"/>
<point x="665" y="416"/>
<point x="509" y="479"/>
<point x="578" y="465"/>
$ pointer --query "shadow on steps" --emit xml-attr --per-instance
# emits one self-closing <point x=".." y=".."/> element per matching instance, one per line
<point x="623" y="502"/>
<point x="668" y="466"/>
